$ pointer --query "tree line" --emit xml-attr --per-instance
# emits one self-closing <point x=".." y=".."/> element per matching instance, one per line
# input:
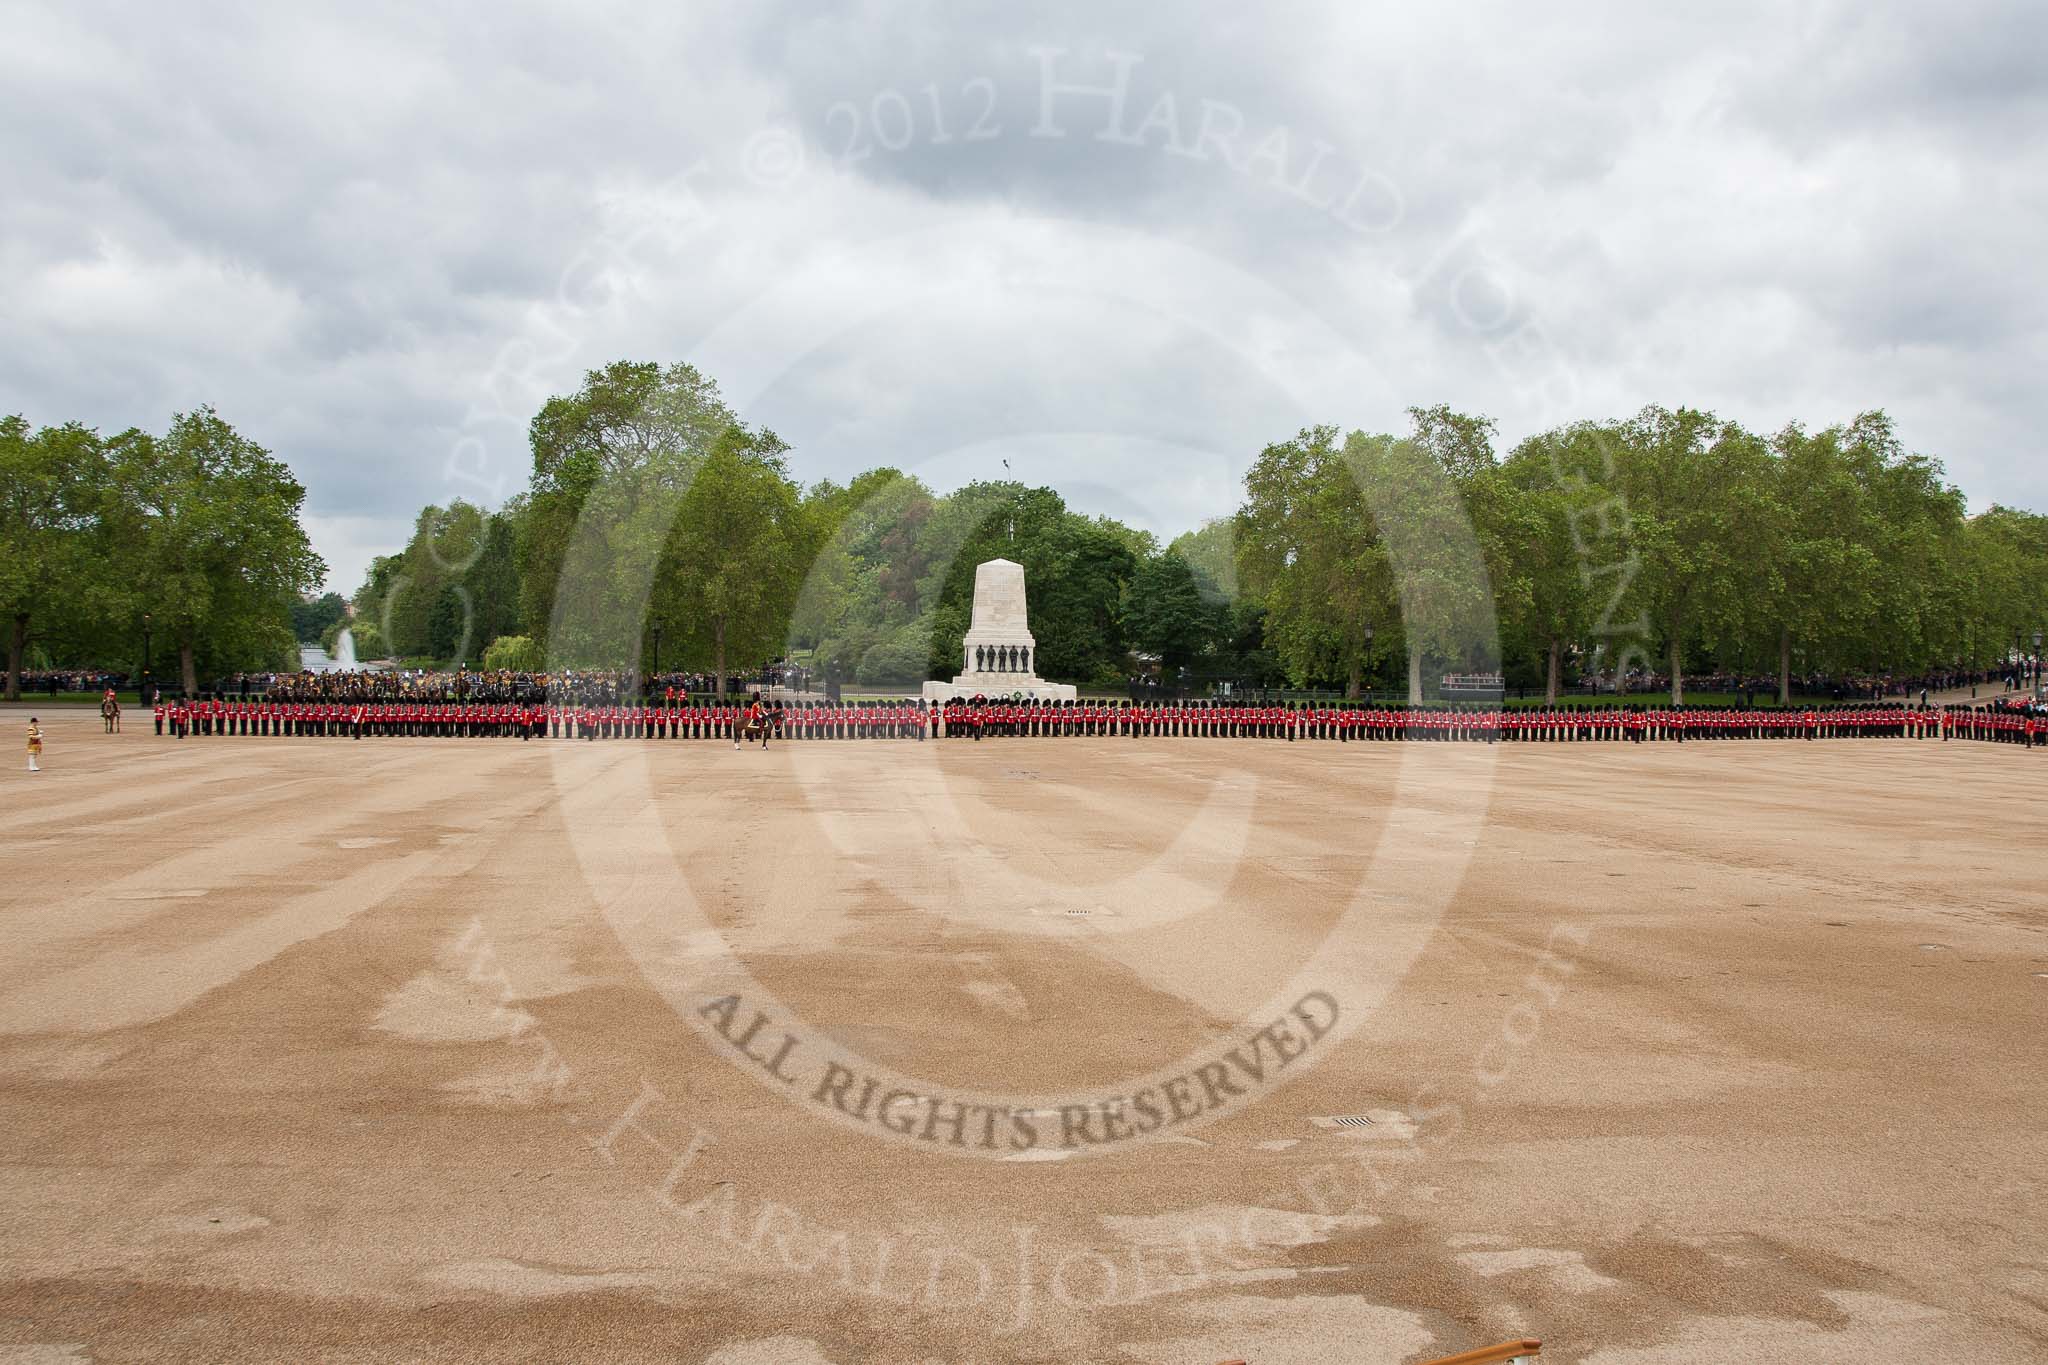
<point x="192" y="536"/>
<point x="1670" y="542"/>
<point x="659" y="526"/>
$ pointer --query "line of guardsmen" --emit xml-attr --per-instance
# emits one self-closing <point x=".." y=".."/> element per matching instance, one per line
<point x="710" y="718"/>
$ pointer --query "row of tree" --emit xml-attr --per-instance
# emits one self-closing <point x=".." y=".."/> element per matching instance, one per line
<point x="1668" y="541"/>
<point x="659" y="526"/>
<point x="192" y="536"/>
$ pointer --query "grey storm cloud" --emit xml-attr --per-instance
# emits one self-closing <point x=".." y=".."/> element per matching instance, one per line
<point x="1120" y="247"/>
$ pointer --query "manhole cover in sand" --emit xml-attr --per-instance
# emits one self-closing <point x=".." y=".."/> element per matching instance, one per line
<point x="1378" y="1123"/>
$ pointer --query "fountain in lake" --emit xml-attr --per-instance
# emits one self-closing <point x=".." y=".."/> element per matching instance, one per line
<point x="314" y="659"/>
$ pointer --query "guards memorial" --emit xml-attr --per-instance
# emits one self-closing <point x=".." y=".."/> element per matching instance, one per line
<point x="999" y="656"/>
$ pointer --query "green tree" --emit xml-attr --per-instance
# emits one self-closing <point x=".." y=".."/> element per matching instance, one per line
<point x="1458" y="444"/>
<point x="2003" y="558"/>
<point x="514" y="653"/>
<point x="449" y="625"/>
<point x="214" y="520"/>
<point x="1084" y="568"/>
<point x="1823" y="571"/>
<point x="54" y="486"/>
<point x="1417" y="492"/>
<point x="735" y="554"/>
<point x="371" y="598"/>
<point x="1169" y="613"/>
<point x="454" y="586"/>
<point x="1699" y="506"/>
<point x="1917" y="519"/>
<point x="609" y="463"/>
<point x="1566" y="550"/>
<point x="1212" y="552"/>
<point x="864" y="583"/>
<point x="891" y="662"/>
<point x="311" y="616"/>
<point x="493" y="579"/>
<point x="445" y="543"/>
<point x="1309" y="551"/>
<point x="1364" y="545"/>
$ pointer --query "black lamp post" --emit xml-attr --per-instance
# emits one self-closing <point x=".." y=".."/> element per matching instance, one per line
<point x="1368" y="657"/>
<point x="142" y="687"/>
<point x="2037" y="657"/>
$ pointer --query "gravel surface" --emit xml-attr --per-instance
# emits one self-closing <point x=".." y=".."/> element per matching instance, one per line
<point x="1074" y="1050"/>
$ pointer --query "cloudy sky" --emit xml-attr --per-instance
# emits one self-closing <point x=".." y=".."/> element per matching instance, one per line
<point x="1118" y="248"/>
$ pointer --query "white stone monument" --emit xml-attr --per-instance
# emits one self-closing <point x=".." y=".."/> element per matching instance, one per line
<point x="999" y="656"/>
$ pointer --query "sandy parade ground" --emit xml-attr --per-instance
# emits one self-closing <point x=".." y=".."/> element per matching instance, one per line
<point x="1063" y="1050"/>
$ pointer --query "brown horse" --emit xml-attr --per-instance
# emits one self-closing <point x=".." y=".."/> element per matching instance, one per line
<point x="759" y="722"/>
